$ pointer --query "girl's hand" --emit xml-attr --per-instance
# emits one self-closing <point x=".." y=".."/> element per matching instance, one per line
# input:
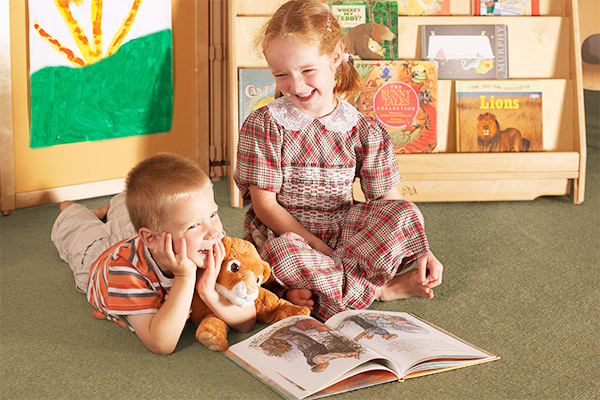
<point x="178" y="264"/>
<point x="430" y="270"/>
<point x="207" y="278"/>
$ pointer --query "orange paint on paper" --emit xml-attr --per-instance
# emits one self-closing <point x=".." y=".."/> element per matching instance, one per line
<point x="91" y="53"/>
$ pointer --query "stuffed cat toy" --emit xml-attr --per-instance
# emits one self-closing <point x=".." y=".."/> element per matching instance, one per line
<point x="242" y="273"/>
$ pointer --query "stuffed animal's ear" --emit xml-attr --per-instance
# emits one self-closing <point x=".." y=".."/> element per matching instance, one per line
<point x="227" y="243"/>
<point x="267" y="271"/>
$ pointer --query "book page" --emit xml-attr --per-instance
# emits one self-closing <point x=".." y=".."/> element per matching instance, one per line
<point x="302" y="355"/>
<point x="405" y="339"/>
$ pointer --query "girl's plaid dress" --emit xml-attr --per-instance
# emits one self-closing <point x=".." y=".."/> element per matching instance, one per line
<point x="311" y="165"/>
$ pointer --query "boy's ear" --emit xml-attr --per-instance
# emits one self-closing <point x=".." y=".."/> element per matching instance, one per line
<point x="148" y="237"/>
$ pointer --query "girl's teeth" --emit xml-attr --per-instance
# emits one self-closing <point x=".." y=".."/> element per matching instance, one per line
<point x="305" y="94"/>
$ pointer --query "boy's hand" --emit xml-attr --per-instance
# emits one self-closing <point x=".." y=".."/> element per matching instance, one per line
<point x="207" y="278"/>
<point x="430" y="270"/>
<point x="178" y="264"/>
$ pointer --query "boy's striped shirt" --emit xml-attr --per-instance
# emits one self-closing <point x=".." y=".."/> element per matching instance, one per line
<point x="125" y="280"/>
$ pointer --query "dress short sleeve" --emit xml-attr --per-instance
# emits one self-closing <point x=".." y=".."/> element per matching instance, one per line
<point x="259" y="153"/>
<point x="377" y="167"/>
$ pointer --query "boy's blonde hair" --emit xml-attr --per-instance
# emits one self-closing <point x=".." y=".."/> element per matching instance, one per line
<point x="313" y="23"/>
<point x="155" y="184"/>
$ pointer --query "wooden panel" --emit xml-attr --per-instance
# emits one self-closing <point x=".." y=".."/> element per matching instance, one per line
<point x="7" y="162"/>
<point x="493" y="165"/>
<point x="477" y="190"/>
<point x="74" y="192"/>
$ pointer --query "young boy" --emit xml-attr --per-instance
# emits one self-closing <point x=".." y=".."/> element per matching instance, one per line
<point x="146" y="281"/>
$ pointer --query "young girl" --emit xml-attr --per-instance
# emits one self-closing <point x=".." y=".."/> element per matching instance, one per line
<point x="297" y="159"/>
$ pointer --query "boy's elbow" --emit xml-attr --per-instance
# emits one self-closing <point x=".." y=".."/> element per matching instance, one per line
<point x="161" y="348"/>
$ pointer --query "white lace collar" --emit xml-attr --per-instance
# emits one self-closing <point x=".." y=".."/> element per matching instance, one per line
<point x="343" y="118"/>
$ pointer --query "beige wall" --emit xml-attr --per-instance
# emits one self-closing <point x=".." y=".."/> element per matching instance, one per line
<point x="39" y="174"/>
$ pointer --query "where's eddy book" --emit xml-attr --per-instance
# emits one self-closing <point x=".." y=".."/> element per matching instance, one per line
<point x="302" y="358"/>
<point x="370" y="27"/>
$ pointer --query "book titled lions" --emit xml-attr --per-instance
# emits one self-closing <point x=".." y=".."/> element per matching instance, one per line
<point x="370" y="27"/>
<point x="499" y="116"/>
<point x="302" y="358"/>
<point x="402" y="95"/>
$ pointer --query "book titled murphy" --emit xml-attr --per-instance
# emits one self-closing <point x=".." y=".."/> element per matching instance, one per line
<point x="467" y="51"/>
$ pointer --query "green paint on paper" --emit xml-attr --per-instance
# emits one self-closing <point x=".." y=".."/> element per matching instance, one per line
<point x="127" y="94"/>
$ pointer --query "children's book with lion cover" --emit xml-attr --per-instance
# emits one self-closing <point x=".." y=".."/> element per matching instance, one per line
<point x="499" y="116"/>
<point x="402" y="95"/>
<point x="423" y="7"/>
<point x="370" y="27"/>
<point x="467" y="51"/>
<point x="302" y="358"/>
<point x="506" y="7"/>
<point x="256" y="89"/>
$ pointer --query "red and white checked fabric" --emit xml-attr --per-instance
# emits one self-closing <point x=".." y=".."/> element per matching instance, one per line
<point x="312" y="170"/>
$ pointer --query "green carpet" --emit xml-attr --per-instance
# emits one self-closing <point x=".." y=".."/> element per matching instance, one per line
<point x="521" y="280"/>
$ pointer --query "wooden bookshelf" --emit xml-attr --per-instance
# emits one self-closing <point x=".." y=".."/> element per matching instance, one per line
<point x="545" y="47"/>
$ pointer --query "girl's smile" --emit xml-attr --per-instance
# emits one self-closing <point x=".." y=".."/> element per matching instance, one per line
<point x="303" y="75"/>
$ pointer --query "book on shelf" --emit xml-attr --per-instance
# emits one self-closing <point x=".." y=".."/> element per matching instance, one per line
<point x="499" y="116"/>
<point x="370" y="28"/>
<point x="421" y="7"/>
<point x="402" y="95"/>
<point x="301" y="358"/>
<point x="506" y="7"/>
<point x="256" y="89"/>
<point x="467" y="51"/>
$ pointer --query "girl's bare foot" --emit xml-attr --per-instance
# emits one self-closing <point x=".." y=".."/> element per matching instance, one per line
<point x="300" y="297"/>
<point x="404" y="286"/>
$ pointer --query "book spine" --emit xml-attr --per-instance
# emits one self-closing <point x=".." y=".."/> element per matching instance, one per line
<point x="424" y="40"/>
<point x="476" y="7"/>
<point x="502" y="51"/>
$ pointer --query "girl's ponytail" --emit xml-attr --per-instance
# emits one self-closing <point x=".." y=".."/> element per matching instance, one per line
<point x="348" y="81"/>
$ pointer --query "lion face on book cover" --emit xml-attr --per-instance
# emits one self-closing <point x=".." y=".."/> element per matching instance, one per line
<point x="239" y="281"/>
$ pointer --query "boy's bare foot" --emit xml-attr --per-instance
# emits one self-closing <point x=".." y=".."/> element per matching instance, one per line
<point x="65" y="204"/>
<point x="300" y="297"/>
<point x="404" y="286"/>
<point x="101" y="212"/>
<point x="98" y="212"/>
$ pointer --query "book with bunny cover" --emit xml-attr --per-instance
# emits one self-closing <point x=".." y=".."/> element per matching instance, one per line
<point x="402" y="95"/>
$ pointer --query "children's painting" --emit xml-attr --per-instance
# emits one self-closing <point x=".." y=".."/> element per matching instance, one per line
<point x="99" y="69"/>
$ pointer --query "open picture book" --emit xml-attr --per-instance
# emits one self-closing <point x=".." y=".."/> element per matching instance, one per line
<point x="300" y="357"/>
